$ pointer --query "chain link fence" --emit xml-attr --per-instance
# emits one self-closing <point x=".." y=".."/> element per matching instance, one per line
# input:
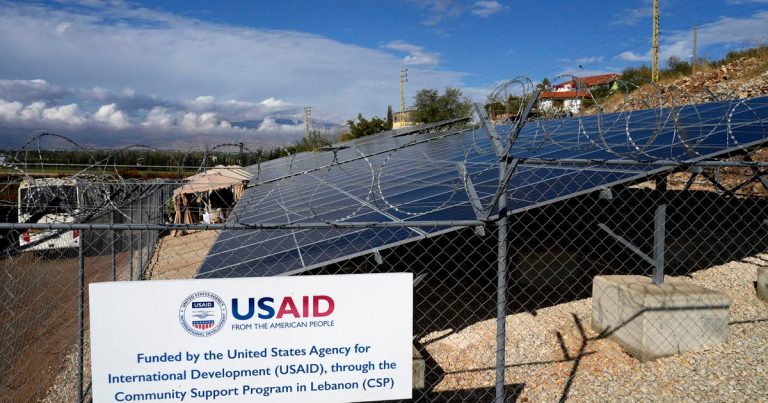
<point x="555" y="253"/>
<point x="536" y="279"/>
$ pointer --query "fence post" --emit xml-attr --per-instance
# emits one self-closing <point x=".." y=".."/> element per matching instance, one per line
<point x="659" y="233"/>
<point x="141" y="255"/>
<point x="130" y="253"/>
<point x="501" y="291"/>
<point x="114" y="239"/>
<point x="80" y="314"/>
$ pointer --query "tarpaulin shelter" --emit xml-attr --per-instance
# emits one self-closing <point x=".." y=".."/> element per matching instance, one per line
<point x="219" y="177"/>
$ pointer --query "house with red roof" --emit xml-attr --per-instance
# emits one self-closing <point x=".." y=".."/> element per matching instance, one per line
<point x="568" y="96"/>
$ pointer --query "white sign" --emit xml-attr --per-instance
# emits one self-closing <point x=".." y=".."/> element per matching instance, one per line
<point x="277" y="339"/>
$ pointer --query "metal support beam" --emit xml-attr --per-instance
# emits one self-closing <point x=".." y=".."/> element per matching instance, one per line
<point x="718" y="186"/>
<point x="240" y="226"/>
<point x="627" y="244"/>
<point x="508" y="170"/>
<point x="627" y="162"/>
<point x="522" y="118"/>
<point x="474" y="200"/>
<point x="659" y="236"/>
<point x="692" y="180"/>
<point x="492" y="134"/>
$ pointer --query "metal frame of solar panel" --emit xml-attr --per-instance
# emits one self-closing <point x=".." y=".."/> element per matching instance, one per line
<point x="420" y="181"/>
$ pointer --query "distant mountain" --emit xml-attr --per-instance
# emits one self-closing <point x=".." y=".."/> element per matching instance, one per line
<point x="255" y="123"/>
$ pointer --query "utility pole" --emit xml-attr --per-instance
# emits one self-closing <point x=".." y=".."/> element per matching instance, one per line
<point x="655" y="43"/>
<point x="240" y="159"/>
<point x="307" y="112"/>
<point x="695" y="40"/>
<point x="403" y="80"/>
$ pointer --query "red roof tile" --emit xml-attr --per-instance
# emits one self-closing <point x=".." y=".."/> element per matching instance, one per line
<point x="564" y="94"/>
<point x="590" y="81"/>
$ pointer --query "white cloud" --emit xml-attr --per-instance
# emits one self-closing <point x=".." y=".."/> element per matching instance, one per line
<point x="9" y="110"/>
<point x="416" y="55"/>
<point x="110" y="115"/>
<point x="632" y="16"/>
<point x="170" y="58"/>
<point x="63" y="27"/>
<point x="725" y="31"/>
<point x="67" y="114"/>
<point x="439" y="10"/>
<point x="159" y="118"/>
<point x="487" y="8"/>
<point x="590" y="60"/>
<point x="634" y="57"/>
<point x="161" y="77"/>
<point x="273" y="103"/>
<point x="26" y="91"/>
<point x="33" y="111"/>
<point x="204" y="100"/>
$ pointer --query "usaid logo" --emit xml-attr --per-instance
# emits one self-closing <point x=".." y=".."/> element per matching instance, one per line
<point x="202" y="314"/>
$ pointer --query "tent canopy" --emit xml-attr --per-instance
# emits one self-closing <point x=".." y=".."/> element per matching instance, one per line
<point x="218" y="177"/>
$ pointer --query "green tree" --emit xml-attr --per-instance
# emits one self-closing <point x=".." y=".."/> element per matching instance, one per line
<point x="544" y="85"/>
<point x="363" y="127"/>
<point x="390" y="117"/>
<point x="430" y="106"/>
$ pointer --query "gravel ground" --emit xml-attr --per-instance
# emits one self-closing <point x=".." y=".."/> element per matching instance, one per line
<point x="179" y="257"/>
<point x="734" y="371"/>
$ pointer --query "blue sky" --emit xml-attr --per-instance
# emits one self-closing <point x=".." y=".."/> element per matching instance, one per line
<point x="170" y="73"/>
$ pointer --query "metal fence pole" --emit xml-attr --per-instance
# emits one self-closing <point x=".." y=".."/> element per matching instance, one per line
<point x="141" y="255"/>
<point x="114" y="239"/>
<point x="501" y="292"/>
<point x="80" y="316"/>
<point x="130" y="253"/>
<point x="659" y="233"/>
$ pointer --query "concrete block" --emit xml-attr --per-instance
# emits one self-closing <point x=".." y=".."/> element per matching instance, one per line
<point x="419" y="369"/>
<point x="762" y="283"/>
<point x="651" y="321"/>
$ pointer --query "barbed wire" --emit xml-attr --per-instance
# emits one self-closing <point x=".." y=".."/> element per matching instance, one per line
<point x="626" y="133"/>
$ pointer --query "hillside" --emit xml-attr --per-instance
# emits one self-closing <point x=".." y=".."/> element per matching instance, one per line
<point x="742" y="75"/>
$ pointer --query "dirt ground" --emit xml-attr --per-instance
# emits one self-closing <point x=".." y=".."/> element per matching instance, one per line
<point x="40" y="326"/>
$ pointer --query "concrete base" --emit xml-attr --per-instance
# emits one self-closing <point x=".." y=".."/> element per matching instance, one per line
<point x="419" y="368"/>
<point x="762" y="283"/>
<point x="651" y="321"/>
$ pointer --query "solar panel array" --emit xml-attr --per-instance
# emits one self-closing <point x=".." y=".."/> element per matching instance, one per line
<point x="298" y="163"/>
<point x="416" y="178"/>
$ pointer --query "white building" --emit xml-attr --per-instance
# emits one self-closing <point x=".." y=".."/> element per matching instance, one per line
<point x="568" y="96"/>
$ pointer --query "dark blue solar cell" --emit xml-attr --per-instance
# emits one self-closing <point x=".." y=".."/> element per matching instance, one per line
<point x="418" y="180"/>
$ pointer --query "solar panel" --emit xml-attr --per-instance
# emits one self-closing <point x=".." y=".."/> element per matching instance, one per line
<point x="342" y="152"/>
<point x="419" y="180"/>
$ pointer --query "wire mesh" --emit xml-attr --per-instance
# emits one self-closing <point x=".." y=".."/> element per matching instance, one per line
<point x="578" y="304"/>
